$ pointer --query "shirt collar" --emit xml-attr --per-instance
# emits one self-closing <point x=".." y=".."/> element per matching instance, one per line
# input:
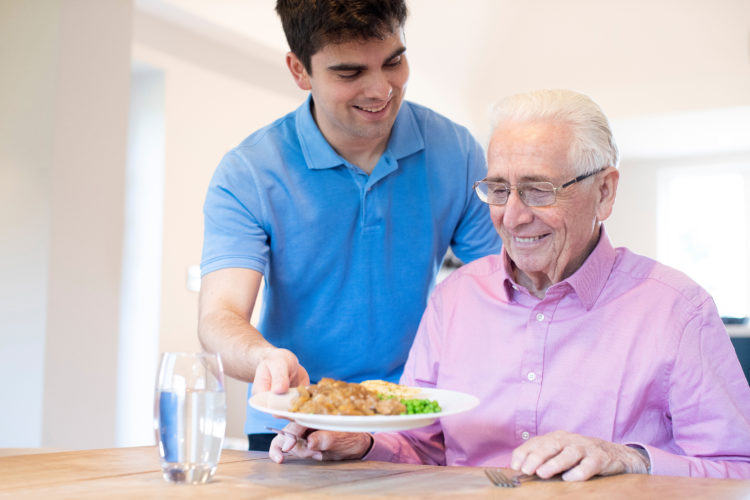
<point x="406" y="137"/>
<point x="587" y="282"/>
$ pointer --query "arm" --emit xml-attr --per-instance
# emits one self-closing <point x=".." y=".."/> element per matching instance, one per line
<point x="709" y="404"/>
<point x="226" y="303"/>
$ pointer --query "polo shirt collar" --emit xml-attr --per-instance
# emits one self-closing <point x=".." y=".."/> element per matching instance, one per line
<point x="406" y="138"/>
<point x="587" y="282"/>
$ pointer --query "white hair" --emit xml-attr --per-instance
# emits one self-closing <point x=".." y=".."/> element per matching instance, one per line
<point x="593" y="145"/>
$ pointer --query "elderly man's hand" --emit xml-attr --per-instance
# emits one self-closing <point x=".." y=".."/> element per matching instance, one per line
<point x="279" y="370"/>
<point x="577" y="457"/>
<point x="319" y="445"/>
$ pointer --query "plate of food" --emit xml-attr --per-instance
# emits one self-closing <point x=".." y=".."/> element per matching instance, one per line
<point x="370" y="406"/>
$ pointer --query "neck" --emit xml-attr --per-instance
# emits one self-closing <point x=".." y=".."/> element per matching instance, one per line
<point x="362" y="151"/>
<point x="537" y="283"/>
<point x="365" y="156"/>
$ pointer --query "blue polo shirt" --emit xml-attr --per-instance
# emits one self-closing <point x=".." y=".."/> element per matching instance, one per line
<point x="348" y="259"/>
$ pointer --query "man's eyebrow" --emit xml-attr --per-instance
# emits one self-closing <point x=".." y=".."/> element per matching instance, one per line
<point x="496" y="179"/>
<point x="396" y="53"/>
<point x="347" y="67"/>
<point x="362" y="67"/>
<point x="528" y="178"/>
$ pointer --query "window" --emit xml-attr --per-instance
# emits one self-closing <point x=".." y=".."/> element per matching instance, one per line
<point x="702" y="227"/>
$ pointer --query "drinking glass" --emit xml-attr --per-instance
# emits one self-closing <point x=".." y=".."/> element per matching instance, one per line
<point x="189" y="415"/>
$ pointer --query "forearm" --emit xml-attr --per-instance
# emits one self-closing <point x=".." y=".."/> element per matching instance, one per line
<point x="420" y="446"/>
<point x="240" y="344"/>
<point x="669" y="464"/>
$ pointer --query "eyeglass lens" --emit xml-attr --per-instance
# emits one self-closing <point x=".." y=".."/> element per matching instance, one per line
<point x="533" y="194"/>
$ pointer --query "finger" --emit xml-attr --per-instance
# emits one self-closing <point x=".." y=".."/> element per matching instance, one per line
<point x="569" y="457"/>
<point x="518" y="457"/>
<point x="275" y="452"/>
<point x="587" y="468"/>
<point x="288" y="443"/>
<point x="262" y="379"/>
<point x="296" y="429"/>
<point x="279" y="375"/>
<point x="536" y="452"/>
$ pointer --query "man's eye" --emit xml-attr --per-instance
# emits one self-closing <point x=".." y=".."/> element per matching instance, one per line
<point x="349" y="75"/>
<point x="393" y="62"/>
<point x="498" y="190"/>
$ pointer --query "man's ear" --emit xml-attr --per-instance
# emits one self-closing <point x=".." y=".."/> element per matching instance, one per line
<point x="299" y="73"/>
<point x="607" y="192"/>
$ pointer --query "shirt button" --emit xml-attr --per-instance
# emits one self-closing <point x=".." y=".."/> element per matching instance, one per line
<point x="531" y="376"/>
<point x="540" y="317"/>
<point x="525" y="435"/>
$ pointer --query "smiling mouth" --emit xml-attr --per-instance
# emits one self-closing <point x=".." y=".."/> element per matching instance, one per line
<point x="531" y="239"/>
<point x="373" y="109"/>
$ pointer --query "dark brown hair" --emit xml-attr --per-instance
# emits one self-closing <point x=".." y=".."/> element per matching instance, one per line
<point x="309" y="25"/>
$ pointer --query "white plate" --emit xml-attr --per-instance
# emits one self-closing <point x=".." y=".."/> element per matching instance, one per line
<point x="451" y="403"/>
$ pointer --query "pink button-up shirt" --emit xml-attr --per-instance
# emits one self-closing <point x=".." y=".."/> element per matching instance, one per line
<point x="626" y="350"/>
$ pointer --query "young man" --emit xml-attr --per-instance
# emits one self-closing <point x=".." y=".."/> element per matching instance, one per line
<point x="345" y="207"/>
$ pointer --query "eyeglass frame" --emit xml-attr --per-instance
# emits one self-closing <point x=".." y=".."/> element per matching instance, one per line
<point x="522" y="197"/>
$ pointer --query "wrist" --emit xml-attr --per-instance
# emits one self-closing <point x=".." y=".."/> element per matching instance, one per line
<point x="643" y="465"/>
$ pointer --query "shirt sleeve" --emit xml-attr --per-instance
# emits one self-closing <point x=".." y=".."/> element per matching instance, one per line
<point x="475" y="236"/>
<point x="234" y="235"/>
<point x="709" y="403"/>
<point x="424" y="445"/>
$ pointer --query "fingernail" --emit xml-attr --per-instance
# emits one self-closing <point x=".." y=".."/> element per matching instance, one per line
<point x="317" y="455"/>
<point x="289" y="443"/>
<point x="571" y="476"/>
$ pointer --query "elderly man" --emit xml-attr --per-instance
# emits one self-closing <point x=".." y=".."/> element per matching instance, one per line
<point x="588" y="359"/>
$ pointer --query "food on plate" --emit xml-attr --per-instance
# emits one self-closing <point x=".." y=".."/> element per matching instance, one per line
<point x="374" y="397"/>
<point x="390" y="389"/>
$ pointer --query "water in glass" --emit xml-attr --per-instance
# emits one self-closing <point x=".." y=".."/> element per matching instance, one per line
<point x="190" y="416"/>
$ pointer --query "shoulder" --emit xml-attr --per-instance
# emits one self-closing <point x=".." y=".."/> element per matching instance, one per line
<point x="478" y="274"/>
<point x="274" y="135"/>
<point x="265" y="148"/>
<point x="435" y="125"/>
<point x="659" y="279"/>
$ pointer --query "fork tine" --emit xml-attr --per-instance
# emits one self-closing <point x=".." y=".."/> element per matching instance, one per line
<point x="498" y="478"/>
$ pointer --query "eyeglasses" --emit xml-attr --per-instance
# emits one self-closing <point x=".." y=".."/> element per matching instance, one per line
<point x="532" y="194"/>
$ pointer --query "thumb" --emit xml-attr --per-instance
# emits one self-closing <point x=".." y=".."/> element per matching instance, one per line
<point x="302" y="376"/>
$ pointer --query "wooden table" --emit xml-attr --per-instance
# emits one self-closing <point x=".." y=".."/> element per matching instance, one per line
<point x="135" y="473"/>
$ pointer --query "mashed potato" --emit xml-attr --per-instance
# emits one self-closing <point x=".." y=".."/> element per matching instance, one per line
<point x="391" y="389"/>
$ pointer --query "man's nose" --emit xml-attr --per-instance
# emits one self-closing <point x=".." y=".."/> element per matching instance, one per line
<point x="378" y="86"/>
<point x="516" y="211"/>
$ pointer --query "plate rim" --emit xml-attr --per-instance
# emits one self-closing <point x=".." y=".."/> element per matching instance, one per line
<point x="360" y="423"/>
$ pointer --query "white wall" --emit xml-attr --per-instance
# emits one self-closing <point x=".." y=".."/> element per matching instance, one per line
<point x="215" y="95"/>
<point x="66" y="68"/>
<point x="27" y="93"/>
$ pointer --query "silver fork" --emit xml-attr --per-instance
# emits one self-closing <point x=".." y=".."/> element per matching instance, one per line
<point x="499" y="478"/>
